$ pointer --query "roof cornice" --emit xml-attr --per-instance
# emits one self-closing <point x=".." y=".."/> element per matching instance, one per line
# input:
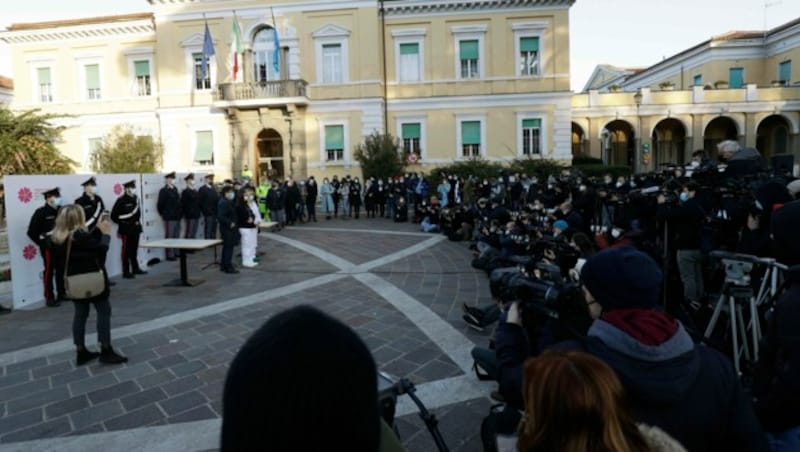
<point x="138" y="26"/>
<point x="402" y="7"/>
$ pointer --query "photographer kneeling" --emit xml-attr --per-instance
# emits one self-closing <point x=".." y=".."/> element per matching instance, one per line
<point x="690" y="391"/>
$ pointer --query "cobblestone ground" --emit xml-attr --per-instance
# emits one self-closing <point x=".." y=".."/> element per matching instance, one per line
<point x="401" y="291"/>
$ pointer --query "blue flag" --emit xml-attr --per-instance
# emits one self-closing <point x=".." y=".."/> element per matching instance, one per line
<point x="208" y="52"/>
<point x="276" y="56"/>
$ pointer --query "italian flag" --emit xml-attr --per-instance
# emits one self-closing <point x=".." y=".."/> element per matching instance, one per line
<point x="236" y="50"/>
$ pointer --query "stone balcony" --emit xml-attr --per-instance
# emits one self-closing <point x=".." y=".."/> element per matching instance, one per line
<point x="261" y="94"/>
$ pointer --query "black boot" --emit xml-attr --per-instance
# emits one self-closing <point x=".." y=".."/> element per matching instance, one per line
<point x="109" y="356"/>
<point x="52" y="303"/>
<point x="84" y="356"/>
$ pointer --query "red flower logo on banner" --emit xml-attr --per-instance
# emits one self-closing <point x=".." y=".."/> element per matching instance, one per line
<point x="25" y="194"/>
<point x="117" y="189"/>
<point x="29" y="252"/>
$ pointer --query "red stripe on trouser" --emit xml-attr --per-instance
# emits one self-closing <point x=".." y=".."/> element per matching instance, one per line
<point x="124" y="252"/>
<point x="48" y="271"/>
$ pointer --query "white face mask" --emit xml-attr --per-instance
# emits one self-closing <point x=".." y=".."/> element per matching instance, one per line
<point x="619" y="184"/>
<point x="230" y="196"/>
<point x="616" y="233"/>
<point x="91" y="189"/>
<point x="130" y="191"/>
<point x="55" y="201"/>
<point x="250" y="197"/>
<point x="169" y="182"/>
<point x="190" y="183"/>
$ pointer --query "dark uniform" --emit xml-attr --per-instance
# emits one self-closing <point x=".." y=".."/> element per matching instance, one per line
<point x="127" y="214"/>
<point x="93" y="205"/>
<point x="229" y="230"/>
<point x="169" y="207"/>
<point x="41" y="225"/>
<point x="335" y="196"/>
<point x="209" y="198"/>
<point x="190" y="207"/>
<point x="355" y="197"/>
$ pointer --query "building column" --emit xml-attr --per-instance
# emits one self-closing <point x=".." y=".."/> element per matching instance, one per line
<point x="750" y="130"/>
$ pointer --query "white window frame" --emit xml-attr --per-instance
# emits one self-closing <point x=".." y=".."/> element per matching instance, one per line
<point x="460" y="145"/>
<point x="423" y="136"/>
<point x="37" y="94"/>
<point x="529" y="30"/>
<point x="409" y="36"/>
<point x="469" y="33"/>
<point x="323" y="153"/>
<point x="544" y="137"/>
<point x="193" y="148"/>
<point x="82" y="63"/>
<point x="332" y="34"/>
<point x="133" y="56"/>
<point x="87" y="150"/>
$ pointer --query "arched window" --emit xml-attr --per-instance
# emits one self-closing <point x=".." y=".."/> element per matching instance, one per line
<point x="263" y="56"/>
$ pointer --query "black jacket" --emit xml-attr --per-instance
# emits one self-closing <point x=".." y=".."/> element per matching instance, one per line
<point x="293" y="197"/>
<point x="276" y="199"/>
<point x="209" y="198"/>
<point x="127" y="214"/>
<point x="41" y="224"/>
<point x="777" y="382"/>
<point x="92" y="209"/>
<point x="88" y="254"/>
<point x="246" y="218"/>
<point x="311" y="193"/>
<point x="190" y="204"/>
<point x="169" y="204"/>
<point x="228" y="220"/>
<point x="686" y="221"/>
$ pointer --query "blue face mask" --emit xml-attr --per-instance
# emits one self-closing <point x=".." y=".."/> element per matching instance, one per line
<point x="684" y="197"/>
<point x="758" y="205"/>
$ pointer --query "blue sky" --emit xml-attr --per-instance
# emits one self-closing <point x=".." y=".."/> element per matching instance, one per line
<point x="620" y="32"/>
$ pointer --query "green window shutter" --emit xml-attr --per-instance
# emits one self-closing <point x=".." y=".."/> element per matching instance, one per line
<point x="142" y="68"/>
<point x="92" y="76"/>
<point x="531" y="123"/>
<point x="43" y="73"/>
<point x="785" y="71"/>
<point x="205" y="146"/>
<point x="471" y="132"/>
<point x="698" y="80"/>
<point x="529" y="44"/>
<point x="334" y="137"/>
<point x="736" y="77"/>
<point x="468" y="50"/>
<point x="409" y="49"/>
<point x="411" y="130"/>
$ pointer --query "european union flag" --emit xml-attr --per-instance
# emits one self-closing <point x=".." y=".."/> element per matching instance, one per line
<point x="208" y="52"/>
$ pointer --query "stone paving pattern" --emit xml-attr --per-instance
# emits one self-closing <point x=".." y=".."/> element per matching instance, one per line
<point x="175" y="374"/>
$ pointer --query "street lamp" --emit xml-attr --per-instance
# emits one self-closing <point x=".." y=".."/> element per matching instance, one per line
<point x="637" y="98"/>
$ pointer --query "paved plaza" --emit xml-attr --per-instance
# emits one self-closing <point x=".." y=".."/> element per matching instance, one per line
<point x="401" y="290"/>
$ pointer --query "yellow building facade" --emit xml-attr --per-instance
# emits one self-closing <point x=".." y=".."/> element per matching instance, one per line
<point x="742" y="86"/>
<point x="451" y="80"/>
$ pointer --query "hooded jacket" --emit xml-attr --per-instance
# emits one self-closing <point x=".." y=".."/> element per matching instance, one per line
<point x="690" y="391"/>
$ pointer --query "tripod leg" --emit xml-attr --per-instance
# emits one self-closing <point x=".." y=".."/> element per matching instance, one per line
<point x="742" y="332"/>
<point x="732" y="312"/>
<point x="756" y="328"/>
<point x="715" y="316"/>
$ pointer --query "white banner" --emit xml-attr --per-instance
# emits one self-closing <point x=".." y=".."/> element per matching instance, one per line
<point x="23" y="195"/>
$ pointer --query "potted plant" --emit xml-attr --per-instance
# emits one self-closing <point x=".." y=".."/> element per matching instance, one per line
<point x="778" y="83"/>
<point x="666" y="86"/>
<point x="615" y="88"/>
<point x="721" y="84"/>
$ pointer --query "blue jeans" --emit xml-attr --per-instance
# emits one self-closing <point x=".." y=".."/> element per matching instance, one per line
<point x="787" y="441"/>
<point x="210" y="232"/>
<point x="427" y="226"/>
<point x="103" y="309"/>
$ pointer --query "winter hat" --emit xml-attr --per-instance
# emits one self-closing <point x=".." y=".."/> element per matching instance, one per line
<point x="561" y="225"/>
<point x="304" y="382"/>
<point x="785" y="239"/>
<point x="622" y="278"/>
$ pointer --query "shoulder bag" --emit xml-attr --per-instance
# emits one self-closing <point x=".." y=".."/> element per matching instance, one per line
<point x="82" y="286"/>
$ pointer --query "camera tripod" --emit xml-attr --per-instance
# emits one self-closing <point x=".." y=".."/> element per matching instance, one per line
<point x="388" y="390"/>
<point x="738" y="298"/>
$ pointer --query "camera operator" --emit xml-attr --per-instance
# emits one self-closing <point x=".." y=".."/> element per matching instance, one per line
<point x="690" y="391"/>
<point x="777" y="380"/>
<point x="755" y="236"/>
<point x="686" y="219"/>
<point x="739" y="161"/>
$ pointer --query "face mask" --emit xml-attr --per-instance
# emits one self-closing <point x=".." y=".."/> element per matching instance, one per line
<point x="684" y="197"/>
<point x="632" y="184"/>
<point x="90" y="189"/>
<point x="694" y="164"/>
<point x="230" y="196"/>
<point x="129" y="191"/>
<point x="758" y="205"/>
<point x="169" y="182"/>
<point x="250" y="197"/>
<point x="616" y="233"/>
<point x="190" y="183"/>
<point x="55" y="202"/>
<point x="512" y="179"/>
<point x="582" y="188"/>
<point x="608" y="181"/>
<point x="619" y="184"/>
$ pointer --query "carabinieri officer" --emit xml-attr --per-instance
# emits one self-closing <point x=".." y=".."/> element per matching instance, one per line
<point x="127" y="214"/>
<point x="42" y="223"/>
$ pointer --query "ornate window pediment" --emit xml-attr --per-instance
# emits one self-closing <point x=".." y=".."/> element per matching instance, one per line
<point x="195" y="40"/>
<point x="331" y="31"/>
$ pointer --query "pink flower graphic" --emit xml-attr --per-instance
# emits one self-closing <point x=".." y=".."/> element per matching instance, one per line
<point x="25" y="195"/>
<point x="29" y="252"/>
<point x="117" y="189"/>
